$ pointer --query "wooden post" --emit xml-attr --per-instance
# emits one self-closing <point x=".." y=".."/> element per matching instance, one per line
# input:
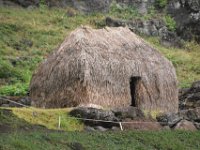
<point x="120" y="124"/>
<point x="59" y="121"/>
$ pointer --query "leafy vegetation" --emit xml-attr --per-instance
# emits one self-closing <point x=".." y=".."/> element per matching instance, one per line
<point x="170" y="23"/>
<point x="161" y="3"/>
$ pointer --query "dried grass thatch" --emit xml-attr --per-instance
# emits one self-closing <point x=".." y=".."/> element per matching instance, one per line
<point x="95" y="66"/>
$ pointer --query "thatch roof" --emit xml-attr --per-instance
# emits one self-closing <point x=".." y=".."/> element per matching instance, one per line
<point x="95" y="66"/>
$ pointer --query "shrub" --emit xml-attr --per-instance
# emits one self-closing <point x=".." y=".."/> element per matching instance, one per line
<point x="18" y="89"/>
<point x="124" y="12"/>
<point x="161" y="3"/>
<point x="170" y="23"/>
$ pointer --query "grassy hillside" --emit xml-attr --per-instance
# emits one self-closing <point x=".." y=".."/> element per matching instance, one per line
<point x="31" y="118"/>
<point x="163" y="140"/>
<point x="28" y="36"/>
<point x="37" y="129"/>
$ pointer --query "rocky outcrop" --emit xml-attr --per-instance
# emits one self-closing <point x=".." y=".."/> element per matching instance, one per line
<point x="190" y="98"/>
<point x="142" y="5"/>
<point x="5" y="101"/>
<point x="170" y="119"/>
<point x="112" y="116"/>
<point x="23" y="3"/>
<point x="183" y="120"/>
<point x="131" y="118"/>
<point x="151" y="27"/>
<point x="191" y="114"/>
<point x="187" y="16"/>
<point x="86" y="6"/>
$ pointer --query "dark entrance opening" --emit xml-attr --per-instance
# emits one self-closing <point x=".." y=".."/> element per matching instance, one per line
<point x="133" y="89"/>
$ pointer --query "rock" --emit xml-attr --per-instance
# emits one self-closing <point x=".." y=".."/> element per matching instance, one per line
<point x="195" y="87"/>
<point x="14" y="105"/>
<point x="97" y="114"/>
<point x="151" y="27"/>
<point x="143" y="27"/>
<point x="89" y="129"/>
<point x="21" y="100"/>
<point x="115" y="22"/>
<point x="26" y="3"/>
<point x="71" y="12"/>
<point x="114" y="128"/>
<point x="25" y="101"/>
<point x="169" y="38"/>
<point x="170" y="119"/>
<point x="197" y="125"/>
<point x="188" y="27"/>
<point x="185" y="125"/>
<point x="2" y="101"/>
<point x="100" y="128"/>
<point x="26" y="42"/>
<point x="76" y="146"/>
<point x="141" y="125"/>
<point x="5" y="105"/>
<point x="142" y="6"/>
<point x="128" y="112"/>
<point x="190" y="98"/>
<point x="92" y="5"/>
<point x="194" y="114"/>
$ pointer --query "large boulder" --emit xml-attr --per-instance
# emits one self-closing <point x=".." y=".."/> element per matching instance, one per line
<point x="128" y="112"/>
<point x="185" y="125"/>
<point x="95" y="114"/>
<point x="170" y="119"/>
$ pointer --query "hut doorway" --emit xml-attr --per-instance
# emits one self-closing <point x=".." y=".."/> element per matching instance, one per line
<point x="133" y="90"/>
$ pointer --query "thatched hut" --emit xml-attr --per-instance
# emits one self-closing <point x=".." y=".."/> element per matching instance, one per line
<point x="111" y="67"/>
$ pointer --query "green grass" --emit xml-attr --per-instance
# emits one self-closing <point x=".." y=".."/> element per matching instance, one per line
<point x="37" y="129"/>
<point x="186" y="61"/>
<point x="132" y="140"/>
<point x="46" y="28"/>
<point x="16" y="118"/>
